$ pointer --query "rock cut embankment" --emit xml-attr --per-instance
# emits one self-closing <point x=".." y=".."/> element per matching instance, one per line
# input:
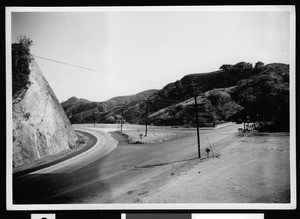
<point x="40" y="125"/>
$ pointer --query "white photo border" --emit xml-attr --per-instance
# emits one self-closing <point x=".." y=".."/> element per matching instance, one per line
<point x="164" y="206"/>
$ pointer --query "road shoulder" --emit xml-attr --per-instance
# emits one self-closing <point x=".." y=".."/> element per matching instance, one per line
<point x="251" y="169"/>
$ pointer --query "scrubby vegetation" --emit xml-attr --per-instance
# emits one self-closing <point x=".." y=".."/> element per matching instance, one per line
<point x="265" y="97"/>
<point x="21" y="59"/>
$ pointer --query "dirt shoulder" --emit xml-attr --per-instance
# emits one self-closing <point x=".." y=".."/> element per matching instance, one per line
<point x="85" y="142"/>
<point x="153" y="135"/>
<point x="252" y="168"/>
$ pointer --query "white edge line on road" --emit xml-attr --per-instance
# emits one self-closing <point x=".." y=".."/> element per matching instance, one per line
<point x="57" y="166"/>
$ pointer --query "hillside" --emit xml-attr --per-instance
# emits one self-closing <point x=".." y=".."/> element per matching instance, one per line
<point x="80" y="110"/>
<point x="213" y="106"/>
<point x="262" y="94"/>
<point x="265" y="97"/>
<point x="180" y="90"/>
<point x="225" y="77"/>
<point x="73" y="100"/>
<point x="40" y="126"/>
<point x="234" y="92"/>
<point x="172" y="93"/>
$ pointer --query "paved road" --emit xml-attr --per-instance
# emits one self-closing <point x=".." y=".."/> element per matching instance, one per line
<point x="101" y="179"/>
<point x="104" y="145"/>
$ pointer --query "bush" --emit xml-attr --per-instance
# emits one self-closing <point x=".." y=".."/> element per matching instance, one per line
<point x="20" y="65"/>
<point x="272" y="126"/>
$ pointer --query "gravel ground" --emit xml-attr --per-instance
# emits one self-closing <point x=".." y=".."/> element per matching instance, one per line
<point x="153" y="135"/>
<point x="251" y="169"/>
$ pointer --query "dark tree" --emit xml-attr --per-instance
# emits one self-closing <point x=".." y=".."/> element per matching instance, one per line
<point x="20" y="64"/>
<point x="226" y="67"/>
<point x="259" y="65"/>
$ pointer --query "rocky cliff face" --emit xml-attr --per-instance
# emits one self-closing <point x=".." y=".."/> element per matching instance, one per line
<point x="40" y="125"/>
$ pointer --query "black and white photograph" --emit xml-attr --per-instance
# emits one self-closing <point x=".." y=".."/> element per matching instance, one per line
<point x="186" y="107"/>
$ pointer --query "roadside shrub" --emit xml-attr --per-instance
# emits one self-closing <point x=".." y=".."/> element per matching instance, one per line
<point x="20" y="65"/>
<point x="26" y="115"/>
<point x="271" y="126"/>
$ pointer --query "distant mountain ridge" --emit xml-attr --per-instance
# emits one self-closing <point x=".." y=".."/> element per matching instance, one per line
<point x="222" y="94"/>
<point x="80" y="110"/>
<point x="72" y="101"/>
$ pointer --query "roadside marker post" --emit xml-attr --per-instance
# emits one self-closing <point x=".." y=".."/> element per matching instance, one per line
<point x="207" y="151"/>
<point x="210" y="147"/>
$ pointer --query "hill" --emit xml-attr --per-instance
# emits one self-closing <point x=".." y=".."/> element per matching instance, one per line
<point x="213" y="106"/>
<point x="72" y="101"/>
<point x="81" y="111"/>
<point x="234" y="92"/>
<point x="265" y="97"/>
<point x="180" y="90"/>
<point x="259" y="94"/>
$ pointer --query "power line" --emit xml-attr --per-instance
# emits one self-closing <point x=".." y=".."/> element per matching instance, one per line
<point x="160" y="102"/>
<point x="87" y="68"/>
<point x="90" y="69"/>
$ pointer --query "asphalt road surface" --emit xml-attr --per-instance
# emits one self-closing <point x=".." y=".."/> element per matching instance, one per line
<point x="100" y="176"/>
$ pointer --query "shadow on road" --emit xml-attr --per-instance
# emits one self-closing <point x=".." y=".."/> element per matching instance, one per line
<point x="60" y="188"/>
<point x="162" y="164"/>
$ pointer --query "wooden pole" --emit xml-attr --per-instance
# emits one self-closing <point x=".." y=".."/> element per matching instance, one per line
<point x="196" y="114"/>
<point x="122" y="120"/>
<point x="146" y="130"/>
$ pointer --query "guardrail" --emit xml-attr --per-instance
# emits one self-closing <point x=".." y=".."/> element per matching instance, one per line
<point x="251" y="126"/>
<point x="224" y="124"/>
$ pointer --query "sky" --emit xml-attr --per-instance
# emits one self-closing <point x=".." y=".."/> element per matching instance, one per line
<point x="135" y="50"/>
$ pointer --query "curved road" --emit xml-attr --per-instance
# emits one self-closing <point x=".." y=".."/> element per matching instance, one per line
<point x="107" y="177"/>
<point x="104" y="145"/>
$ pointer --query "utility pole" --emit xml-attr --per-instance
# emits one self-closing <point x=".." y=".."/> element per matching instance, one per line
<point x="122" y="120"/>
<point x="244" y="120"/>
<point x="146" y="120"/>
<point x="196" y="113"/>
<point x="94" y="118"/>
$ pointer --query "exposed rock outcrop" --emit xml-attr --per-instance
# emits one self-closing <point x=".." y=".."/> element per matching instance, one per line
<point x="40" y="125"/>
